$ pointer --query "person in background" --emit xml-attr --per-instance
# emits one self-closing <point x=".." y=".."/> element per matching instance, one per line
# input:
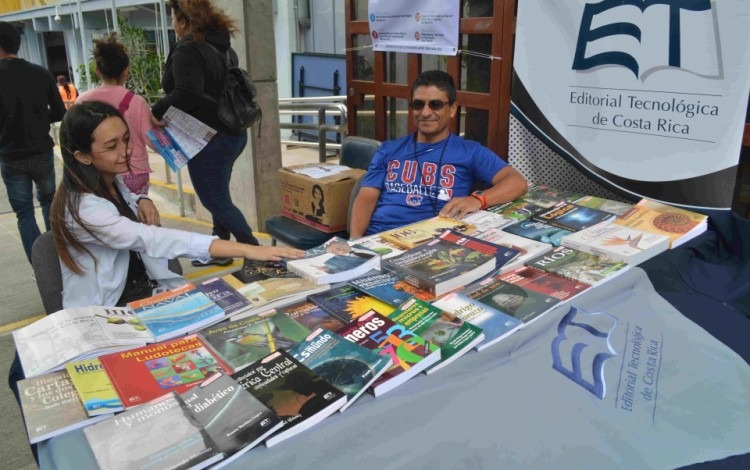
<point x="108" y="256"/>
<point x="432" y="171"/>
<point x="68" y="92"/>
<point x="29" y="102"/>
<point x="112" y="63"/>
<point x="193" y="80"/>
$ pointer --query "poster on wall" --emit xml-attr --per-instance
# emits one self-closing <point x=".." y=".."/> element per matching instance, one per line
<point x="646" y="97"/>
<point x="417" y="26"/>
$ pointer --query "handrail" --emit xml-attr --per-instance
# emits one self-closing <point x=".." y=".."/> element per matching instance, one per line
<point x="310" y="106"/>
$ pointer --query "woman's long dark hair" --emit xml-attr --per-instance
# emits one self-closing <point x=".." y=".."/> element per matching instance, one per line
<point x="76" y="134"/>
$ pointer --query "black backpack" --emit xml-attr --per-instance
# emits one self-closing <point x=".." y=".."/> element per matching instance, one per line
<point x="237" y="108"/>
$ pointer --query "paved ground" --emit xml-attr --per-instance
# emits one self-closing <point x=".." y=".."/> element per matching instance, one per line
<point x="20" y="302"/>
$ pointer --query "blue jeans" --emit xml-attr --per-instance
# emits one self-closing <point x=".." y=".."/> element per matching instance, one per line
<point x="210" y="171"/>
<point x="19" y="176"/>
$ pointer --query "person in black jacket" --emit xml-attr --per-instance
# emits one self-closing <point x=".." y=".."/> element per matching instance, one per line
<point x="29" y="102"/>
<point x="193" y="80"/>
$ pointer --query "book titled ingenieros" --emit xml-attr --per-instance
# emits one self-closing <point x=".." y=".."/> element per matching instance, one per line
<point x="142" y="374"/>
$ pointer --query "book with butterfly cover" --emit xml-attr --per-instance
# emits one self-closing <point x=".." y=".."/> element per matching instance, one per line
<point x="455" y="336"/>
<point x="347" y="366"/>
<point x="617" y="242"/>
<point x="241" y="342"/>
<point x="299" y="396"/>
<point x="448" y="262"/>
<point x="410" y="353"/>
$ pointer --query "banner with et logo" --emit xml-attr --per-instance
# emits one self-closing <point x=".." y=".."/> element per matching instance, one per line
<point x="647" y="97"/>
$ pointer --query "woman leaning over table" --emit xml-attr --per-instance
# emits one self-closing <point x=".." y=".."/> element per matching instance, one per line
<point x="108" y="257"/>
<point x="193" y="80"/>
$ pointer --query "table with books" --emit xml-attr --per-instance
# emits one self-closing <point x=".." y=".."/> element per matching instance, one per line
<point x="503" y="338"/>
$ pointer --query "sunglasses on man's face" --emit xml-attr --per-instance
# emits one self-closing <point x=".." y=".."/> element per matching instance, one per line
<point x="435" y="105"/>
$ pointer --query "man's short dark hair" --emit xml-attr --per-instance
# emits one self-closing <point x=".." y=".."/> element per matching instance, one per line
<point x="10" y="38"/>
<point x="439" y="79"/>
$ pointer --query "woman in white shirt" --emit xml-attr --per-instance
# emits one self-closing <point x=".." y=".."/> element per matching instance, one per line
<point x="108" y="257"/>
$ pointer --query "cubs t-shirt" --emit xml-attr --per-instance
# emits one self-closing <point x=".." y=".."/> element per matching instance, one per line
<point x="417" y="179"/>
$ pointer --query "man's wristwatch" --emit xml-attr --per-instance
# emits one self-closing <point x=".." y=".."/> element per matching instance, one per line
<point x="479" y="195"/>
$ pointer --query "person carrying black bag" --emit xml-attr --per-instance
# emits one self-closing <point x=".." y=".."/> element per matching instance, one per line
<point x="193" y="80"/>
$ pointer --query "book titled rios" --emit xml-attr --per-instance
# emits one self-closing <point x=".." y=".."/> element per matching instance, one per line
<point x="299" y="396"/>
<point x="448" y="262"/>
<point x="577" y="265"/>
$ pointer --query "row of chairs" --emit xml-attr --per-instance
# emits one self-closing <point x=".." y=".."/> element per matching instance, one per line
<point x="356" y="152"/>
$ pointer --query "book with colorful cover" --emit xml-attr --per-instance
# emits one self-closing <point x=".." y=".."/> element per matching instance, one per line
<point x="389" y="288"/>
<point x="232" y="417"/>
<point x="603" y="204"/>
<point x="161" y="433"/>
<point x="272" y="292"/>
<point x="526" y="247"/>
<point x="347" y="366"/>
<point x="680" y="225"/>
<point x="419" y="233"/>
<point x="75" y="334"/>
<point x="94" y="387"/>
<point x="547" y="197"/>
<point x="572" y="217"/>
<point x="446" y="263"/>
<point x="518" y="301"/>
<point x="578" y="265"/>
<point x="51" y="406"/>
<point x="312" y="316"/>
<point x="299" y="396"/>
<point x="517" y="210"/>
<point x="224" y="295"/>
<point x="454" y="336"/>
<point x="539" y="231"/>
<point x="142" y="374"/>
<point x="617" y="242"/>
<point x="544" y="282"/>
<point x="495" y="324"/>
<point x="335" y="261"/>
<point x="242" y="342"/>
<point x="178" y="311"/>
<point x="410" y="353"/>
<point x="347" y="303"/>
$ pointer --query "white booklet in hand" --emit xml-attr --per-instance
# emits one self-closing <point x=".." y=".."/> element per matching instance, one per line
<point x="181" y="139"/>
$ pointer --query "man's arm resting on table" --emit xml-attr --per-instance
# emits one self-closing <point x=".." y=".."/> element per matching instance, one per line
<point x="362" y="210"/>
<point x="507" y="185"/>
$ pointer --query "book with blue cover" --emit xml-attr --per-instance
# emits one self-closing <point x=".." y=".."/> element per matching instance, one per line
<point x="573" y="217"/>
<point x="539" y="231"/>
<point x="176" y="312"/>
<point x="347" y="303"/>
<point x="389" y="288"/>
<point x="347" y="366"/>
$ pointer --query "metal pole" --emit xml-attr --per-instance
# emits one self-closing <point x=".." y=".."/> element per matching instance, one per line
<point x="164" y="34"/>
<point x="321" y="135"/>
<point x="115" y="23"/>
<point x="82" y="29"/>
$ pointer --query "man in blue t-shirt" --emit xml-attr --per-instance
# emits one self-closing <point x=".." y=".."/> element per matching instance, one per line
<point x="432" y="171"/>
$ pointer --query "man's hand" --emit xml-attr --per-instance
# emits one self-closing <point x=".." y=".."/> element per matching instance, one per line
<point x="148" y="213"/>
<point x="461" y="206"/>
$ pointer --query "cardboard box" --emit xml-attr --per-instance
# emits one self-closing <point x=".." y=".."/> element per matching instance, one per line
<point x="329" y="213"/>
